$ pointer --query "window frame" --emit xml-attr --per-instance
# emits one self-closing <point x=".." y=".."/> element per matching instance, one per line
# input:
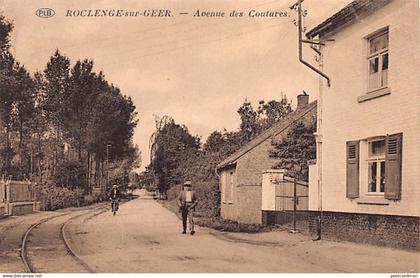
<point x="228" y="181"/>
<point x="370" y="158"/>
<point x="223" y="187"/>
<point x="378" y="54"/>
<point x="231" y="174"/>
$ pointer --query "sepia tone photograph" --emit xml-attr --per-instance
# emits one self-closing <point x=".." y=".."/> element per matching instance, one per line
<point x="210" y="137"/>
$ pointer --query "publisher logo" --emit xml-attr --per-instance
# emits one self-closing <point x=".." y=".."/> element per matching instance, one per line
<point x="45" y="12"/>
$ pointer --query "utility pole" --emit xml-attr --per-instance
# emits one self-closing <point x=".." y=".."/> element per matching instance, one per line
<point x="107" y="166"/>
<point x="294" y="206"/>
<point x="318" y="134"/>
<point x="31" y="163"/>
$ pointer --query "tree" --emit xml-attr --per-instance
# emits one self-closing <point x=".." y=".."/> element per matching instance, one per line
<point x="172" y="149"/>
<point x="272" y="112"/>
<point x="253" y="122"/>
<point x="39" y="127"/>
<point x="62" y="111"/>
<point x="214" y="142"/>
<point x="16" y="108"/>
<point x="56" y="78"/>
<point x="147" y="179"/>
<point x="16" y="111"/>
<point x="7" y="101"/>
<point x="92" y="118"/>
<point x="176" y="155"/>
<point x="111" y="121"/>
<point x="249" y="120"/>
<point x="70" y="173"/>
<point x="23" y="113"/>
<point x="6" y="28"/>
<point x="217" y="147"/>
<point x="120" y="169"/>
<point x="296" y="149"/>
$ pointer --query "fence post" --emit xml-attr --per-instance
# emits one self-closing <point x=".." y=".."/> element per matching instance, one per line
<point x="294" y="207"/>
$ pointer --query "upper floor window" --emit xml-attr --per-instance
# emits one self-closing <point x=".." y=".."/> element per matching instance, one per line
<point x="378" y="60"/>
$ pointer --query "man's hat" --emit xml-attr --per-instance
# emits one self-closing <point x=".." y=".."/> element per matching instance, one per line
<point x="187" y="183"/>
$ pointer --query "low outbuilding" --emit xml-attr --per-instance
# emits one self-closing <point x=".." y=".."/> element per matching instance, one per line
<point x="241" y="173"/>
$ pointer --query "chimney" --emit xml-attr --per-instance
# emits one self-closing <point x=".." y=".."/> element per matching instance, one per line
<point x="302" y="100"/>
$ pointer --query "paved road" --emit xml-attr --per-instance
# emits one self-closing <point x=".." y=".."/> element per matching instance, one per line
<point x="146" y="237"/>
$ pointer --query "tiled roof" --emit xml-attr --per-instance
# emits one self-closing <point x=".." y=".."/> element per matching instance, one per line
<point x="346" y="15"/>
<point x="274" y="130"/>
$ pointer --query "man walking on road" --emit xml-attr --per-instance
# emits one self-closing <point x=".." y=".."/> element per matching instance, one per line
<point x="187" y="202"/>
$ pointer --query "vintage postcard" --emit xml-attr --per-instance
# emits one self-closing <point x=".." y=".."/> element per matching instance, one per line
<point x="214" y="136"/>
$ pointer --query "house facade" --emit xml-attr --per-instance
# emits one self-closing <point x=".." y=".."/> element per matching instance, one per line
<point x="241" y="174"/>
<point x="365" y="186"/>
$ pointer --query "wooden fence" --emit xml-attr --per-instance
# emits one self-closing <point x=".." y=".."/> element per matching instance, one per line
<point x="288" y="192"/>
<point x="16" y="197"/>
<point x="284" y="200"/>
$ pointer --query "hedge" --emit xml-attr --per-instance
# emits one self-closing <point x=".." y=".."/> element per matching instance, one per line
<point x="207" y="213"/>
<point x="208" y="198"/>
<point x="55" y="197"/>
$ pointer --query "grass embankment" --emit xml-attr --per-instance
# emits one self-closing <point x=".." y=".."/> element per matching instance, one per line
<point x="207" y="211"/>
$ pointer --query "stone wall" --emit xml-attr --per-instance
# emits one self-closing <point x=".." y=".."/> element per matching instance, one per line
<point x="2" y="210"/>
<point x="382" y="230"/>
<point x="21" y="208"/>
<point x="285" y="218"/>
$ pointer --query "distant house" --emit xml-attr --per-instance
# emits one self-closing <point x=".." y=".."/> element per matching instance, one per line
<point x="241" y="173"/>
<point x="365" y="186"/>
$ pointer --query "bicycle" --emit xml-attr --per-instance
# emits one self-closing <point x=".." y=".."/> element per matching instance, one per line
<point x="114" y="206"/>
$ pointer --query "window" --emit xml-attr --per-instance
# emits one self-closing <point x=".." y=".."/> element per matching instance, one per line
<point x="231" y="185"/>
<point x="380" y="167"/>
<point x="224" y="180"/>
<point x="378" y="58"/>
<point x="228" y="183"/>
<point x="376" y="166"/>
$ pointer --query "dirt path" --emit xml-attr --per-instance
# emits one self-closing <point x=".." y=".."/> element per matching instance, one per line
<point x="145" y="237"/>
<point x="43" y="239"/>
<point x="11" y="232"/>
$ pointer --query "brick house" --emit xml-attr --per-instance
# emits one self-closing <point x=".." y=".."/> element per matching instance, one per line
<point x="365" y="186"/>
<point x="241" y="173"/>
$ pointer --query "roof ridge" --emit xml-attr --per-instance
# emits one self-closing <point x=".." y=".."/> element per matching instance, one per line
<point x="345" y="15"/>
<point x="273" y="130"/>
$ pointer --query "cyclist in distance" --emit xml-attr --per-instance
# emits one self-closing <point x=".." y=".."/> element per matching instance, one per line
<point x="115" y="198"/>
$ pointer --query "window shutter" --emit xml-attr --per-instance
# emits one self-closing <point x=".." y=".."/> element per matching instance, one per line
<point x="352" y="190"/>
<point x="393" y="166"/>
<point x="223" y="186"/>
<point x="229" y="187"/>
<point x="232" y="185"/>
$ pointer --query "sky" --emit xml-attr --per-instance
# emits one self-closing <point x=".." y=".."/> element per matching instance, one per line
<point x="198" y="70"/>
